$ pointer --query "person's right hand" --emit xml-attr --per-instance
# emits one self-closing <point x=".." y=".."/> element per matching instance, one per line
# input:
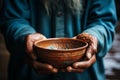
<point x="40" y="68"/>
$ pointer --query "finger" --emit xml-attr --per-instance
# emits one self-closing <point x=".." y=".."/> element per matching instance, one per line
<point x="88" y="55"/>
<point x="29" y="45"/>
<point x="30" y="39"/>
<point x="95" y="44"/>
<point x="29" y="49"/>
<point x="44" y="72"/>
<point x="39" y="65"/>
<point x="70" y="69"/>
<point x="85" y="64"/>
<point x="74" y="37"/>
<point x="38" y="36"/>
<point x="44" y="67"/>
<point x="92" y="41"/>
<point x="89" y="52"/>
<point x="54" y="70"/>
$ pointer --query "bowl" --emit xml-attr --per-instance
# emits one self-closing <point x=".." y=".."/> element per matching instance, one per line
<point x="59" y="52"/>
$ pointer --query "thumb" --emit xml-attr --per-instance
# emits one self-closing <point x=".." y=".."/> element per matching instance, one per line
<point x="29" y="49"/>
<point x="74" y="37"/>
<point x="89" y="52"/>
<point x="30" y="39"/>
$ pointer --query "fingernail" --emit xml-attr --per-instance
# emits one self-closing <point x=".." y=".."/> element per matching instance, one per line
<point x="69" y="69"/>
<point x="50" y="67"/>
<point x="89" y="55"/>
<point x="75" y="65"/>
<point x="55" y="70"/>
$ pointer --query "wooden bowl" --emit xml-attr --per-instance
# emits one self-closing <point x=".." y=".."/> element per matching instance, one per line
<point x="60" y="52"/>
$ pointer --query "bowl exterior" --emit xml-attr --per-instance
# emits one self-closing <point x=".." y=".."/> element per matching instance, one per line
<point x="59" y="59"/>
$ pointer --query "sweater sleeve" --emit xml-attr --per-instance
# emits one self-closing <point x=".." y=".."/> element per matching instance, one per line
<point x="15" y="22"/>
<point x="101" y="23"/>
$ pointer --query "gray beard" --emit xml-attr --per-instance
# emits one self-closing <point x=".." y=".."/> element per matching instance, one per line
<point x="74" y="5"/>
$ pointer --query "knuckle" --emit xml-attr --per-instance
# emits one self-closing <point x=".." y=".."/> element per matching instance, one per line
<point x="29" y="36"/>
<point x="49" y="66"/>
<point x="95" y="49"/>
<point x="87" y="65"/>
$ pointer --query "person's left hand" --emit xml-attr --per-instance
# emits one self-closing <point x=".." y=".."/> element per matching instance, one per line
<point x="90" y="57"/>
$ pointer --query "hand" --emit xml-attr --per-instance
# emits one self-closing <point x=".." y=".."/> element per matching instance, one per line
<point x="90" y="57"/>
<point x="92" y="43"/>
<point x="40" y="68"/>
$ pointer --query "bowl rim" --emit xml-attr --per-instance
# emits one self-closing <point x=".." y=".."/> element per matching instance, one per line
<point x="60" y="50"/>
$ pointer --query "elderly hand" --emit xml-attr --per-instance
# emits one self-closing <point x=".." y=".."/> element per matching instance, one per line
<point x="40" y="68"/>
<point x="90" y="57"/>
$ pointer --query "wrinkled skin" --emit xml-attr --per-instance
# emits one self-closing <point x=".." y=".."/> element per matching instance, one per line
<point x="90" y="57"/>
<point x="42" y="68"/>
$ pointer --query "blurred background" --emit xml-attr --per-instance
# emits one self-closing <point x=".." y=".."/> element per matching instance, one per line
<point x="111" y="60"/>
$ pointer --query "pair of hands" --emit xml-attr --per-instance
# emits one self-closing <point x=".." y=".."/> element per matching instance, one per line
<point x="42" y="68"/>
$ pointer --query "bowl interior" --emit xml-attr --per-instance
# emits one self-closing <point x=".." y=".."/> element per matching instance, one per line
<point x="60" y="44"/>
